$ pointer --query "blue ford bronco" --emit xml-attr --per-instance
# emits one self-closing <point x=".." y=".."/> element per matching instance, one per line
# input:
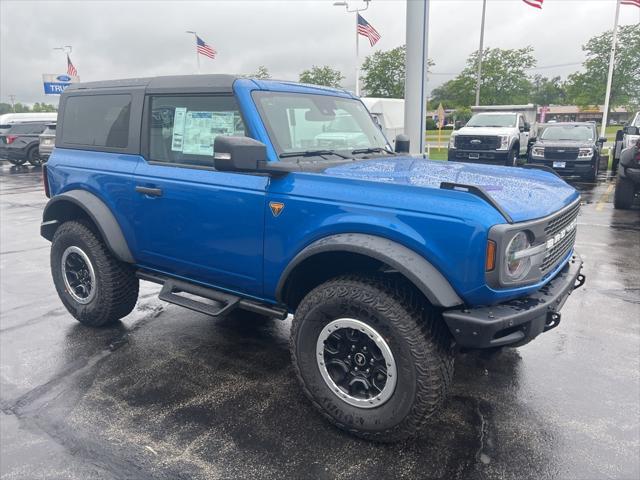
<point x="278" y="198"/>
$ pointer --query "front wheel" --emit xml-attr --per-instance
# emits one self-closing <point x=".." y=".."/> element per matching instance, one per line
<point x="512" y="158"/>
<point x="372" y="357"/>
<point x="96" y="288"/>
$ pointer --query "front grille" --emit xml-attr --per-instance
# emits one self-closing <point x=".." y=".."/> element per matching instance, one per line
<point x="473" y="142"/>
<point x="557" y="153"/>
<point x="562" y="245"/>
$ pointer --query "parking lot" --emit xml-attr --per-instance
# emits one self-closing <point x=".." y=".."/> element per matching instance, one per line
<point x="169" y="393"/>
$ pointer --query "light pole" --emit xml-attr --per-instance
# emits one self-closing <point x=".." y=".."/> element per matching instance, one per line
<point x="66" y="49"/>
<point x="356" y="11"/>
<point x="195" y="35"/>
<point x="480" y="52"/>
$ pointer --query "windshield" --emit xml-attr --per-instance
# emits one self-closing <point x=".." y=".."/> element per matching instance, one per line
<point x="299" y="122"/>
<point x="636" y="123"/>
<point x="580" y="133"/>
<point x="492" y="120"/>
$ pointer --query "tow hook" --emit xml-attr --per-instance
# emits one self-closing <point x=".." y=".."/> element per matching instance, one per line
<point x="580" y="279"/>
<point x="552" y="321"/>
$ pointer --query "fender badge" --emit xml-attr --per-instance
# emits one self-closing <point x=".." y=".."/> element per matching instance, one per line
<point x="276" y="208"/>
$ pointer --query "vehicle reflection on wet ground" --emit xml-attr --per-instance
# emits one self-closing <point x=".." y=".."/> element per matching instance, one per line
<point x="169" y="393"/>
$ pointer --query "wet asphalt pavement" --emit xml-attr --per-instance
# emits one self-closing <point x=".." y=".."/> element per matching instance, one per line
<point x="172" y="394"/>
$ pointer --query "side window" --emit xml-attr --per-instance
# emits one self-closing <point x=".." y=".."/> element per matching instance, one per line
<point x="97" y="120"/>
<point x="183" y="128"/>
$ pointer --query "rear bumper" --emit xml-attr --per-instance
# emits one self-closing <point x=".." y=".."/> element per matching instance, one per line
<point x="518" y="321"/>
<point x="492" y="157"/>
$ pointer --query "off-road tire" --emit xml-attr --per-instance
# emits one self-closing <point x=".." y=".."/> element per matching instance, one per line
<point x="33" y="156"/>
<point x="418" y="338"/>
<point x="116" y="286"/>
<point x="624" y="194"/>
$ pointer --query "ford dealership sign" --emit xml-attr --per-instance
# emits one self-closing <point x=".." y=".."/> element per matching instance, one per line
<point x="54" y="84"/>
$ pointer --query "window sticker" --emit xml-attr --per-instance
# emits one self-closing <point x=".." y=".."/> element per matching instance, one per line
<point x="198" y="133"/>
<point x="177" y="140"/>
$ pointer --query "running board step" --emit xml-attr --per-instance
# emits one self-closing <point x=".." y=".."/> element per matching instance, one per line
<point x="223" y="303"/>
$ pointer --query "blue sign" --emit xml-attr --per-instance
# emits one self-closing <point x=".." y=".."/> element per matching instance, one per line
<point x="54" y="84"/>
<point x="57" y="88"/>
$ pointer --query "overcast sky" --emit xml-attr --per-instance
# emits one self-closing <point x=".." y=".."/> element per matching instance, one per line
<point x="117" y="38"/>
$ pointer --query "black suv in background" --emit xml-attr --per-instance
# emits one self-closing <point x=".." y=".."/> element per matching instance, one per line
<point x="571" y="148"/>
<point x="20" y="143"/>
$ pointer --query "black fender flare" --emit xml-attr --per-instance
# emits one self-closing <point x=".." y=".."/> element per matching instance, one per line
<point x="58" y="208"/>
<point x="412" y="265"/>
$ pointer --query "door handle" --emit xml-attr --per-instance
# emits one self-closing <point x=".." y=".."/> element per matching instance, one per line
<point x="151" y="191"/>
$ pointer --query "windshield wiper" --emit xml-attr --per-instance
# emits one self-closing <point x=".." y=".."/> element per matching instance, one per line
<point x="372" y="150"/>
<point x="312" y="153"/>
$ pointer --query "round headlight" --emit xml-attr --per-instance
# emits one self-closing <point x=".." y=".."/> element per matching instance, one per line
<point x="515" y="266"/>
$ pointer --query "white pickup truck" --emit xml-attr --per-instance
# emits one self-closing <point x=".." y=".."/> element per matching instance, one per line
<point x="496" y="135"/>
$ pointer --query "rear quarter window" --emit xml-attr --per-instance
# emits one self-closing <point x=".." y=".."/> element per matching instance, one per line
<point x="97" y="120"/>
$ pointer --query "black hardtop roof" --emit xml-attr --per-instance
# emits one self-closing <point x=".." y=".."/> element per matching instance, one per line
<point x="177" y="82"/>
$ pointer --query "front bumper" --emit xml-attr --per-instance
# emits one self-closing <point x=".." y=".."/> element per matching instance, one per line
<point x="517" y="321"/>
<point x="572" y="167"/>
<point x="492" y="157"/>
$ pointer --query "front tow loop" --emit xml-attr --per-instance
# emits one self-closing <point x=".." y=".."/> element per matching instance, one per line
<point x="580" y="279"/>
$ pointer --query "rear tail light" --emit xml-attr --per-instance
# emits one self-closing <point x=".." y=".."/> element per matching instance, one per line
<point x="45" y="181"/>
<point x="11" y="138"/>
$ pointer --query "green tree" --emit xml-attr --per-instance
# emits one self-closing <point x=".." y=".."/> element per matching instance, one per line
<point x="43" y="107"/>
<point x="261" y="73"/>
<point x="589" y="86"/>
<point x="504" y="79"/>
<point x="384" y="73"/>
<point x="548" y="91"/>
<point x="324" y="75"/>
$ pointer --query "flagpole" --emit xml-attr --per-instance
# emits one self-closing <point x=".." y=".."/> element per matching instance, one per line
<point x="357" y="58"/>
<point x="480" y="51"/>
<point x="357" y="12"/>
<point x="612" y="59"/>
<point x="195" y="36"/>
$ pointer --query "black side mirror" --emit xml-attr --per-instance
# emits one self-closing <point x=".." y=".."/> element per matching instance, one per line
<point x="631" y="130"/>
<point x="527" y="126"/>
<point x="402" y="144"/>
<point x="457" y="125"/>
<point x="238" y="154"/>
<point x="602" y="140"/>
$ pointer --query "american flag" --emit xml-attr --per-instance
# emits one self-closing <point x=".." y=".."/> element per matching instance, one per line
<point x="204" y="49"/>
<point x="365" y="29"/>
<point x="631" y="2"/>
<point x="534" y="3"/>
<point x="71" y="70"/>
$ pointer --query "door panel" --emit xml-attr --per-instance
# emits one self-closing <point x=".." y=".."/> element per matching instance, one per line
<point x="201" y="224"/>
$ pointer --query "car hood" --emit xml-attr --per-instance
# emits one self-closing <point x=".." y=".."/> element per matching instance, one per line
<point x="565" y="143"/>
<point x="484" y="131"/>
<point x="524" y="194"/>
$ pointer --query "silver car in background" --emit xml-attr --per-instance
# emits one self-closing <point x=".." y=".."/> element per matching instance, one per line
<point x="47" y="141"/>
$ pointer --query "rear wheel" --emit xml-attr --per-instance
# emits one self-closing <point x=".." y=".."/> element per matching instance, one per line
<point x="624" y="194"/>
<point x="372" y="357"/>
<point x="34" y="158"/>
<point x="95" y="287"/>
